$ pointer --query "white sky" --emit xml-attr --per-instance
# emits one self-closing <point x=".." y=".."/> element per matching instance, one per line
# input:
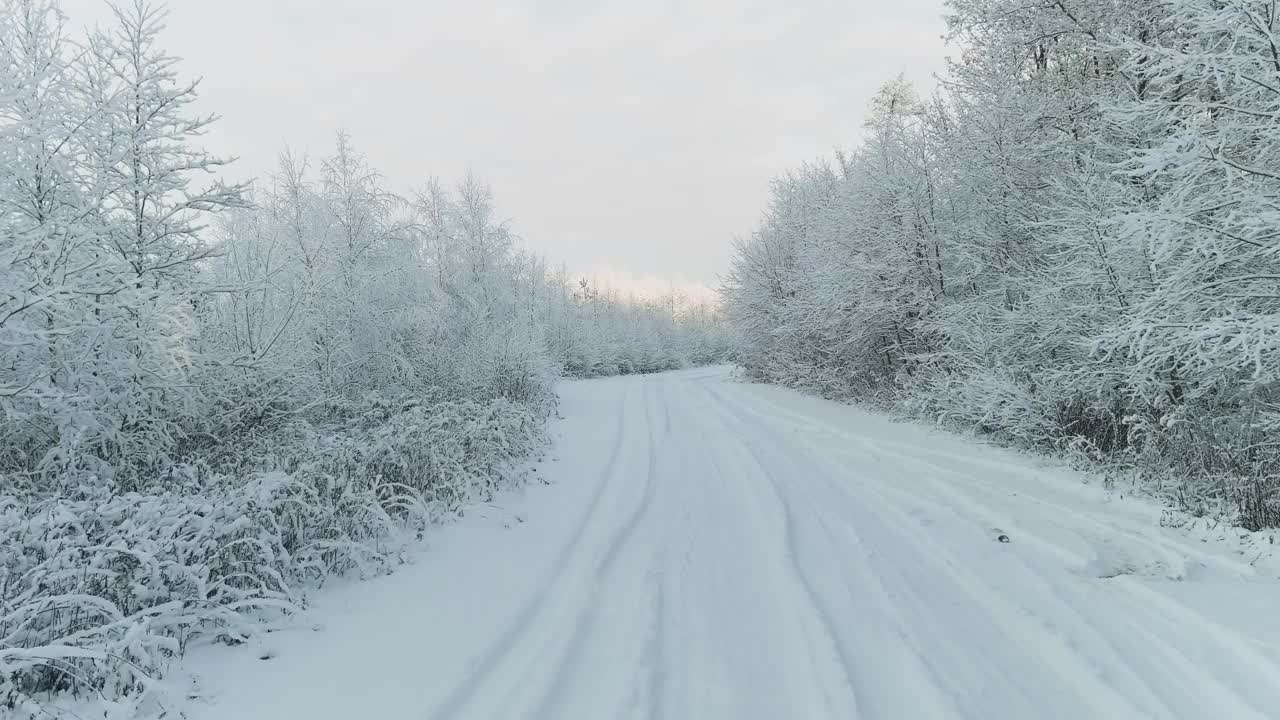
<point x="630" y="139"/>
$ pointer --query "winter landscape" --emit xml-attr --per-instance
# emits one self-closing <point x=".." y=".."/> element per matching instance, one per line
<point x="977" y="417"/>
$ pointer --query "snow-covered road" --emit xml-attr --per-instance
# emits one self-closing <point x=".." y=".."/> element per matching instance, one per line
<point x="710" y="549"/>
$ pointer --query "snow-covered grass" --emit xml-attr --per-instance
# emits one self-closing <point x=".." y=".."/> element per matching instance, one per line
<point x="99" y="593"/>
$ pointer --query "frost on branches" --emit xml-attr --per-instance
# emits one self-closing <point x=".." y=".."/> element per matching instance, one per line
<point x="1072" y="246"/>
<point x="211" y="398"/>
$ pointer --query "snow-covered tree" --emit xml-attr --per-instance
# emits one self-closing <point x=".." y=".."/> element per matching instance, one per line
<point x="141" y="165"/>
<point x="1071" y="245"/>
<point x="49" y="255"/>
<point x="1201" y="345"/>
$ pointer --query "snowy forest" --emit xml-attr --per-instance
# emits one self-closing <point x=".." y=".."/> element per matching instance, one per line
<point x="218" y="394"/>
<point x="215" y="395"/>
<point x="1071" y="245"/>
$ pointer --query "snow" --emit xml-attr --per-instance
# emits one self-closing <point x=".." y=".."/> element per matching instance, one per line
<point x="713" y="549"/>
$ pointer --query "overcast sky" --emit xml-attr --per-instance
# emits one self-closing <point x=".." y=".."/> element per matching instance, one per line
<point x="628" y="138"/>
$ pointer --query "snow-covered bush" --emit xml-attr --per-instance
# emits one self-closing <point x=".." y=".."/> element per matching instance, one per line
<point x="98" y="594"/>
<point x="991" y="400"/>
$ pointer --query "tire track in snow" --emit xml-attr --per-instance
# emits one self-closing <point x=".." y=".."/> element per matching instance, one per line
<point x="1247" y="660"/>
<point x="1231" y="645"/>
<point x="931" y="699"/>
<point x="938" y="703"/>
<point x="911" y="453"/>
<point x="1054" y="597"/>
<point x="1010" y="620"/>
<point x="568" y="669"/>
<point x="1148" y="539"/>
<point x="524" y="622"/>
<point x="657" y="653"/>
<point x="1016" y="620"/>
<point x="831" y="639"/>
<point x="1021" y="619"/>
